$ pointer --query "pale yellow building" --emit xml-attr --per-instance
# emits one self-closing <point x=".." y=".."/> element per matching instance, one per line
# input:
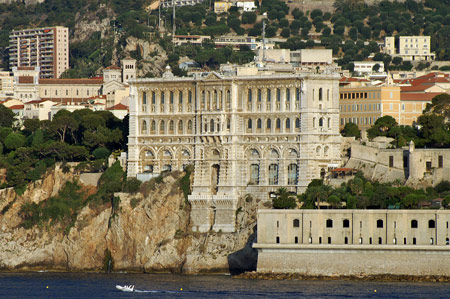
<point x="410" y="48"/>
<point x="6" y="85"/>
<point x="222" y="6"/>
<point x="364" y="105"/>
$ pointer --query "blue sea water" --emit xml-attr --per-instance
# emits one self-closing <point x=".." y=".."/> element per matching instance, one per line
<point x="90" y="285"/>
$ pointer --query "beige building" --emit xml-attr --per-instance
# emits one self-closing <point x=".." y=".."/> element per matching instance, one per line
<point x="410" y="48"/>
<point x="222" y="6"/>
<point x="364" y="105"/>
<point x="6" y="85"/>
<point x="46" y="48"/>
<point x="243" y="134"/>
<point x="26" y="83"/>
<point x="69" y="90"/>
<point x="40" y="109"/>
<point x="358" y="242"/>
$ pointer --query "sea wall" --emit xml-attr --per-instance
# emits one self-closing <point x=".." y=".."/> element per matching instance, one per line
<point x="345" y="260"/>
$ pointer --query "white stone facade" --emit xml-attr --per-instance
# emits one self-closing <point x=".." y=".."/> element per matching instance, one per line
<point x="243" y="134"/>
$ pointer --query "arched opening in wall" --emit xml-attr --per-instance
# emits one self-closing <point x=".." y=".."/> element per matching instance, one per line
<point x="249" y="97"/>
<point x="228" y="124"/>
<point x="370" y="240"/>
<point x="269" y="95"/>
<point x="320" y="94"/>
<point x="215" y="171"/>
<point x="277" y="125"/>
<point x="167" y="168"/>
<point x="249" y="124"/>
<point x="346" y="223"/>
<point x="153" y="98"/>
<point x="288" y="125"/>
<point x="318" y="150"/>
<point x="206" y="128"/>
<point x="144" y="127"/>
<point x="297" y="124"/>
<point x="258" y="125"/>
<point x="360" y="240"/>
<point x="180" y="127"/>
<point x="447" y="241"/>
<point x="325" y="151"/>
<point x="431" y="223"/>
<point x="292" y="174"/>
<point x="379" y="223"/>
<point x="218" y="126"/>
<point x="414" y="241"/>
<point x="171" y="99"/>
<point x="431" y="241"/>
<point x="144" y="98"/>
<point x="404" y="241"/>
<point x="296" y="240"/>
<point x="268" y="125"/>
<point x="329" y="240"/>
<point x="161" y="127"/>
<point x="414" y="223"/>
<point x="211" y="125"/>
<point x="189" y="128"/>
<point x="171" y="127"/>
<point x="273" y="174"/>
<point x="277" y="240"/>
<point x="153" y="127"/>
<point x="329" y="223"/>
<point x="346" y="240"/>
<point x="288" y="95"/>
<point x="180" y="98"/>
<point x="162" y="99"/>
<point x="296" y="223"/>
<point x="278" y="95"/>
<point x="321" y="122"/>
<point x="320" y="240"/>
<point x="254" y="174"/>
<point x="380" y="240"/>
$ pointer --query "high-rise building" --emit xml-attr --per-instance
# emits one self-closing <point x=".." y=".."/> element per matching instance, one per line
<point x="46" y="48"/>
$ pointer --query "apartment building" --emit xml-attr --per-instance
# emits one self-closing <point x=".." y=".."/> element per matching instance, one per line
<point x="46" y="48"/>
<point x="410" y="48"/>
<point x="6" y="85"/>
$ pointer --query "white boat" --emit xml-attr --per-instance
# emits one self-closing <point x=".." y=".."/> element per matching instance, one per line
<point x="129" y="288"/>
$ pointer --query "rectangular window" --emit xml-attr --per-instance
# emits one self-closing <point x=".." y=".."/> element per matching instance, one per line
<point x="288" y="95"/>
<point x="391" y="161"/>
<point x="428" y="165"/>
<point x="441" y="162"/>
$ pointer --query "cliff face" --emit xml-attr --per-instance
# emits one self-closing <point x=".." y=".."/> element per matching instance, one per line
<point x="146" y="233"/>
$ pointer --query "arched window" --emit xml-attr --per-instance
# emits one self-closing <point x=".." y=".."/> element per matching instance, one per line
<point x="153" y="98"/>
<point x="296" y="223"/>
<point x="258" y="123"/>
<point x="297" y="123"/>
<point x="162" y="98"/>
<point x="278" y="95"/>
<point x="190" y="97"/>
<point x="153" y="127"/>
<point x="288" y="95"/>
<point x="171" y="97"/>
<point x="269" y="95"/>
<point x="288" y="123"/>
<point x="379" y="223"/>
<point x="171" y="127"/>
<point x="292" y="174"/>
<point x="278" y="123"/>
<point x="380" y="240"/>
<point x="161" y="127"/>
<point x="269" y="124"/>
<point x="321" y="122"/>
<point x="431" y="223"/>
<point x="180" y="127"/>
<point x="329" y="223"/>
<point x="318" y="149"/>
<point x="320" y="94"/>
<point x="259" y="95"/>
<point x="189" y="126"/>
<point x="180" y="98"/>
<point x="297" y="94"/>
<point x="211" y="125"/>
<point x="273" y="174"/>
<point x="249" y="97"/>
<point x="249" y="125"/>
<point x="254" y="174"/>
<point x="346" y="223"/>
<point x="414" y="224"/>
<point x="144" y="127"/>
<point x="144" y="98"/>
<point x="325" y="151"/>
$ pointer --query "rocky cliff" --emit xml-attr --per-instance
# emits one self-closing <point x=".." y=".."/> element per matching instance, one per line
<point x="148" y="233"/>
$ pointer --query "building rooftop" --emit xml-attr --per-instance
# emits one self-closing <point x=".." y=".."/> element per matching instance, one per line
<point x="426" y="96"/>
<point x="90" y="81"/>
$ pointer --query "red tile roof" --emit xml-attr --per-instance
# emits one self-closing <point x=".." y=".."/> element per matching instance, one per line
<point x="118" y="107"/>
<point x="415" y="88"/>
<point x="71" y="81"/>
<point x="352" y="79"/>
<point x="15" y="107"/>
<point x="37" y="101"/>
<point x="25" y="68"/>
<point x="25" y="79"/>
<point x="418" y="96"/>
<point x="113" y="67"/>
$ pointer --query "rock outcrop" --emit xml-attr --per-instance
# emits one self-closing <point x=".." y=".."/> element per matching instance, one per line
<point x="145" y="233"/>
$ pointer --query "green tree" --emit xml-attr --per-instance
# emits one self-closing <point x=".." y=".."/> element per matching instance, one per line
<point x="283" y="200"/>
<point x="351" y="130"/>
<point x="382" y="126"/>
<point x="439" y="105"/>
<point x="14" y="141"/>
<point x="6" y="116"/>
